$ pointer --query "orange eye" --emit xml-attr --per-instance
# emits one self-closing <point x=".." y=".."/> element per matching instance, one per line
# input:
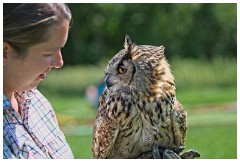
<point x="122" y="70"/>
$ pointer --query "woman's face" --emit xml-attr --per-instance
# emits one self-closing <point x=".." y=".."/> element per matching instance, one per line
<point x="20" y="74"/>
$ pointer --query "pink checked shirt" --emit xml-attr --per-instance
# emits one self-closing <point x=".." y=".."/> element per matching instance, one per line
<point x="35" y="133"/>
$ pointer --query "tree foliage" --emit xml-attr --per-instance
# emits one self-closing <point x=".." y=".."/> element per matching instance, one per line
<point x="200" y="31"/>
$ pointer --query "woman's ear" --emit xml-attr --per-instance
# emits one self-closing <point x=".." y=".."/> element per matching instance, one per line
<point x="7" y="49"/>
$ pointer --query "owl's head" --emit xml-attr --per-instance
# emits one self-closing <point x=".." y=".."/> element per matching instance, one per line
<point x="142" y="69"/>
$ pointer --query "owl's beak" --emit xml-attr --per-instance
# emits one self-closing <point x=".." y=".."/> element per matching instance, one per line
<point x="108" y="82"/>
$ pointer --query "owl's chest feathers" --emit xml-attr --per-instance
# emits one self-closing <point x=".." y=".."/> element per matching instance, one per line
<point x="142" y="122"/>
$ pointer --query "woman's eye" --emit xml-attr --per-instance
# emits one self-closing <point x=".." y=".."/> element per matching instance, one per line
<point x="122" y="70"/>
<point x="47" y="55"/>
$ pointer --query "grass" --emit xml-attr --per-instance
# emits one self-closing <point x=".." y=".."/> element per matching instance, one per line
<point x="218" y="72"/>
<point x="73" y="110"/>
<point x="213" y="142"/>
<point x="198" y="96"/>
<point x="211" y="131"/>
<point x="81" y="146"/>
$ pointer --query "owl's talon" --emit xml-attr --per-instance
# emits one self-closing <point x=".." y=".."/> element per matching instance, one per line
<point x="190" y="154"/>
<point x="155" y="152"/>
<point x="169" y="154"/>
<point x="179" y="149"/>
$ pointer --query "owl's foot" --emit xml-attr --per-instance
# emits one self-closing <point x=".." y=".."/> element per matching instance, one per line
<point x="164" y="153"/>
<point x="190" y="154"/>
<point x="169" y="154"/>
<point x="156" y="152"/>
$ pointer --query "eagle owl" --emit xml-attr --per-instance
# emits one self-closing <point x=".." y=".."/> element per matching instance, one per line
<point x="138" y="111"/>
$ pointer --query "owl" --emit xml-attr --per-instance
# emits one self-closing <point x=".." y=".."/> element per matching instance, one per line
<point x="138" y="113"/>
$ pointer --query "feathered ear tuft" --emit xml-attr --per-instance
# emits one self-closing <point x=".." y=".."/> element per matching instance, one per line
<point x="128" y="45"/>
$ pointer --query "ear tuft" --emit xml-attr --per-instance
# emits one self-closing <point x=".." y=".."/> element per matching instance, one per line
<point x="128" y="43"/>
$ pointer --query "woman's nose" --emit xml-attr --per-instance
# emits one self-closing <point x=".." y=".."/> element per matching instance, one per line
<point x="57" y="61"/>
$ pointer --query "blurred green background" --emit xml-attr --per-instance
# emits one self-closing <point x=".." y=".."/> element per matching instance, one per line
<point x="200" y="44"/>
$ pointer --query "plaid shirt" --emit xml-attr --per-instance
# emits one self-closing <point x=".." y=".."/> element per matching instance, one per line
<point x="35" y="133"/>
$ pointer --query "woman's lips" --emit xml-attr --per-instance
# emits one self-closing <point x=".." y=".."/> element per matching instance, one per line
<point x="43" y="76"/>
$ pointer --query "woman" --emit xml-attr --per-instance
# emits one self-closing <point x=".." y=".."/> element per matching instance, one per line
<point x="33" y="35"/>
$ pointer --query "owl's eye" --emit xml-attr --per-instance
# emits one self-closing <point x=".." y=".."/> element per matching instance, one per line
<point x="121" y="70"/>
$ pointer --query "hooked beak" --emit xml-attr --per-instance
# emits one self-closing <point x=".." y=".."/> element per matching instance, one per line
<point x="108" y="82"/>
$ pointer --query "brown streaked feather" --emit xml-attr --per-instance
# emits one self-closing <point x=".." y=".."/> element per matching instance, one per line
<point x="105" y="130"/>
